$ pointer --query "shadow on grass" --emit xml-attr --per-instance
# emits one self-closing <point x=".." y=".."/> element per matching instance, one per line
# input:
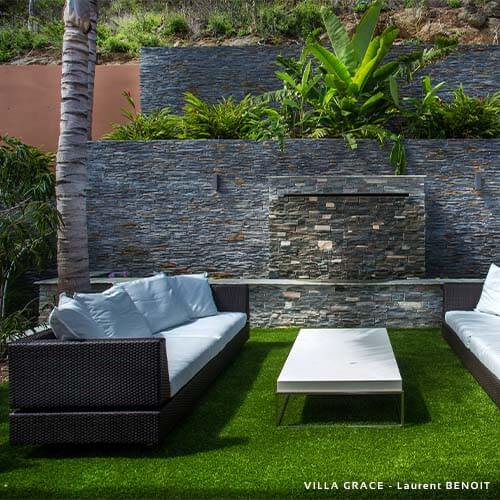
<point x="198" y="432"/>
<point x="363" y="409"/>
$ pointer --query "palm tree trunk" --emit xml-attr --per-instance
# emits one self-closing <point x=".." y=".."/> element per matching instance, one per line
<point x="71" y="174"/>
<point x="92" y="36"/>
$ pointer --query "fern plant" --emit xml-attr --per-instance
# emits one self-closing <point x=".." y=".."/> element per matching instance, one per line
<point x="226" y="119"/>
<point x="473" y="117"/>
<point x="157" y="125"/>
<point x="464" y="117"/>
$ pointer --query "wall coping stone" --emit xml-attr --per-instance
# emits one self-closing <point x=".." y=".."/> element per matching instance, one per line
<point x="297" y="282"/>
<point x="289" y="185"/>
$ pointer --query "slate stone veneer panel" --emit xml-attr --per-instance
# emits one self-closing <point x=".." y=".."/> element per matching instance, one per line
<point x="402" y="304"/>
<point x="153" y="205"/>
<point x="345" y="306"/>
<point x="347" y="227"/>
<point x="209" y="72"/>
<point x="214" y="72"/>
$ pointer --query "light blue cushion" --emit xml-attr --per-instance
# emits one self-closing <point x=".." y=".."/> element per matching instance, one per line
<point x="115" y="313"/>
<point x="195" y="291"/>
<point x="156" y="300"/>
<point x="71" y="320"/>
<point x="192" y="345"/>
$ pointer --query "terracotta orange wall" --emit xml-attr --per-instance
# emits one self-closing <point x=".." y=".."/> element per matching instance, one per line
<point x="30" y="101"/>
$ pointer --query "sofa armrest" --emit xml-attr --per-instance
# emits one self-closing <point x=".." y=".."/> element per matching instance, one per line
<point x="231" y="298"/>
<point x="461" y="296"/>
<point x="47" y="373"/>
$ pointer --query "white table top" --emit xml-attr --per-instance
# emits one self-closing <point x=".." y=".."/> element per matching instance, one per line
<point x="342" y="361"/>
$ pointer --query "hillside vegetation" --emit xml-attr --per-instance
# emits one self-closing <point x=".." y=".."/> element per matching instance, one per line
<point x="127" y="25"/>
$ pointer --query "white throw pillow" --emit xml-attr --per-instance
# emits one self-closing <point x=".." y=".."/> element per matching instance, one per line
<point x="489" y="302"/>
<point x="156" y="300"/>
<point x="116" y="314"/>
<point x="195" y="291"/>
<point x="71" y="320"/>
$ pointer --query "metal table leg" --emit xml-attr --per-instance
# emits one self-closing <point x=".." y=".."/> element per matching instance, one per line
<point x="281" y="413"/>
<point x="402" y="413"/>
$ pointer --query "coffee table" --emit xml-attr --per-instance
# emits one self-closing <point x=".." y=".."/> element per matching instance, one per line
<point x="340" y="361"/>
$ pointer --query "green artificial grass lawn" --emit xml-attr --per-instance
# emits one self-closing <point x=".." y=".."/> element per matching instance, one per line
<point x="230" y="446"/>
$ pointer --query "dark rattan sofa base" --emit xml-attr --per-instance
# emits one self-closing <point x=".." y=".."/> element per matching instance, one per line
<point x="127" y="426"/>
<point x="488" y="380"/>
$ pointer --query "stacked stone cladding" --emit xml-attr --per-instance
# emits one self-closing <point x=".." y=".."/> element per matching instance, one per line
<point x="347" y="227"/>
<point x="156" y="206"/>
<point x="215" y="72"/>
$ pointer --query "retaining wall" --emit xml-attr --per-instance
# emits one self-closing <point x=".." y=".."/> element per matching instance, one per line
<point x="214" y="72"/>
<point x="276" y="303"/>
<point x="185" y="206"/>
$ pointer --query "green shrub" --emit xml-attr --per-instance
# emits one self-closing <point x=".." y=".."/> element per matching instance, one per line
<point x="28" y="223"/>
<point x="176" y="24"/>
<point x="103" y="33"/>
<point x="117" y="44"/>
<point x="131" y="33"/>
<point x="138" y="31"/>
<point x="272" y="20"/>
<point x="51" y="35"/>
<point x="278" y="20"/>
<point x="226" y="119"/>
<point x="220" y="24"/>
<point x="14" y="42"/>
<point x="121" y="7"/>
<point x="306" y="17"/>
<point x="473" y="117"/>
<point x="455" y="4"/>
<point x="157" y="125"/>
<point x="464" y="117"/>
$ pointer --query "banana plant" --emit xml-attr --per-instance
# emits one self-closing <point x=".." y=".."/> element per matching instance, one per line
<point x="346" y="92"/>
<point x="355" y="64"/>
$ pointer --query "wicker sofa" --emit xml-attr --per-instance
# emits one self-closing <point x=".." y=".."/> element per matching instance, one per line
<point x="464" y="297"/>
<point x="107" y="391"/>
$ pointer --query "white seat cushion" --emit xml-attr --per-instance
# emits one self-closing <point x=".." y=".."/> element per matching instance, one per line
<point x="186" y="356"/>
<point x="224" y="325"/>
<point x="468" y="324"/>
<point x="192" y="345"/>
<point x="486" y="348"/>
<point x="490" y="296"/>
<point x="156" y="300"/>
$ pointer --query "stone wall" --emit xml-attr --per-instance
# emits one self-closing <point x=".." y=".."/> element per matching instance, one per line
<point x="204" y="205"/>
<point x="403" y="305"/>
<point x="213" y="72"/>
<point x="209" y="72"/>
<point x="354" y="227"/>
<point x="275" y="303"/>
